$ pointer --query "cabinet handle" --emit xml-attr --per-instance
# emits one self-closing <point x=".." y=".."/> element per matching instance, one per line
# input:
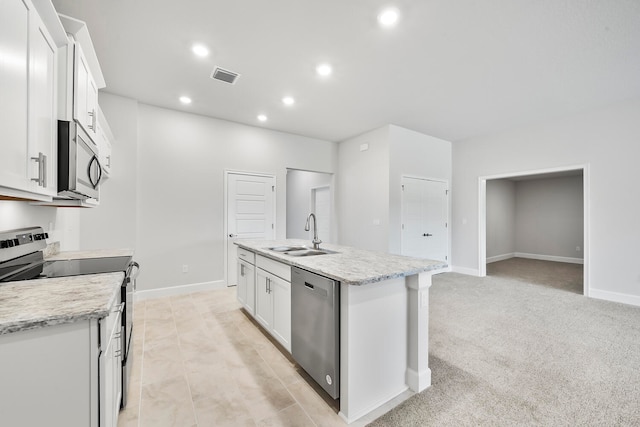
<point x="242" y="270"/>
<point x="268" y="285"/>
<point x="118" y="353"/>
<point x="42" y="170"/>
<point x="92" y="114"/>
<point x="109" y="161"/>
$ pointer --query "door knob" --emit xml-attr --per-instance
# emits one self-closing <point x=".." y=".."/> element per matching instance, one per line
<point x="232" y="235"/>
<point x="427" y="235"/>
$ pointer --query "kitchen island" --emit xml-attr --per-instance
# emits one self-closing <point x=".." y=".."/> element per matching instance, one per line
<point x="384" y="319"/>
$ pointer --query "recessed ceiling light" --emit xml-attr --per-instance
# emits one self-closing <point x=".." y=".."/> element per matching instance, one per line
<point x="185" y="100"/>
<point x="287" y="100"/>
<point x="262" y="117"/>
<point x="388" y="17"/>
<point x="200" y="50"/>
<point x="324" y="70"/>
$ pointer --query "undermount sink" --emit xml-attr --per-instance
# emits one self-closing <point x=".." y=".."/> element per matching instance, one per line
<point x="288" y="248"/>
<point x="300" y="251"/>
<point x="310" y="252"/>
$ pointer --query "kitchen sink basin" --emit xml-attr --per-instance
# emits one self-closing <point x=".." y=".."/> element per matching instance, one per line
<point x="310" y="252"/>
<point x="288" y="248"/>
<point x="300" y="251"/>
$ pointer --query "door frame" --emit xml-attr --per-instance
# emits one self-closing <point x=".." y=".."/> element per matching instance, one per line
<point x="482" y="216"/>
<point x="448" y="187"/>
<point x="225" y="219"/>
<point x="312" y="207"/>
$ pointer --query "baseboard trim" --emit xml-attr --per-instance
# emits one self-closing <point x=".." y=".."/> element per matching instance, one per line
<point x="179" y="290"/>
<point x="615" y="297"/>
<point x="550" y="258"/>
<point x="465" y="270"/>
<point x="502" y="257"/>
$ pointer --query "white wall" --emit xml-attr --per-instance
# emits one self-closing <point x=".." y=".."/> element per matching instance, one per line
<point x="62" y="224"/>
<point x="501" y="219"/>
<point x="413" y="154"/>
<point x="608" y="140"/>
<point x="549" y="217"/>
<point x="363" y="191"/>
<point x="299" y="185"/>
<point x="113" y="223"/>
<point x="181" y="162"/>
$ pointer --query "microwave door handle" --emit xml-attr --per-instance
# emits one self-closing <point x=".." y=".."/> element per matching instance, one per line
<point x="94" y="159"/>
<point x="99" y="171"/>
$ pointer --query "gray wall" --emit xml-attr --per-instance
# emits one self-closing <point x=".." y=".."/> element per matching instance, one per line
<point x="608" y="141"/>
<point x="549" y="218"/>
<point x="363" y="191"/>
<point x="535" y="218"/>
<point x="180" y="189"/>
<point x="501" y="219"/>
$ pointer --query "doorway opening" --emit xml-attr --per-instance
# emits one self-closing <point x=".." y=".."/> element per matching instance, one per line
<point x="309" y="191"/>
<point x="534" y="225"/>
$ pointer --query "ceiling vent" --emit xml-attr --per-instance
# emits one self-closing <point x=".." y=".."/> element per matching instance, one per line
<point x="224" y="75"/>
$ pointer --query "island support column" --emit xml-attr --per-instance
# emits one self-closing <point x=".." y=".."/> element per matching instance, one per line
<point x="418" y="374"/>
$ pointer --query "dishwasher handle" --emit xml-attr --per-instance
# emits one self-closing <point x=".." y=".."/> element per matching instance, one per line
<point x="319" y="291"/>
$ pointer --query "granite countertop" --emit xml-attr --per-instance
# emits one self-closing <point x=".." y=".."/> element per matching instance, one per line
<point x="349" y="265"/>
<point x="95" y="253"/>
<point x="31" y="304"/>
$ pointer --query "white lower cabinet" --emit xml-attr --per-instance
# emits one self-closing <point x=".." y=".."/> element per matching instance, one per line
<point x="273" y="306"/>
<point x="64" y="375"/>
<point x="264" y="289"/>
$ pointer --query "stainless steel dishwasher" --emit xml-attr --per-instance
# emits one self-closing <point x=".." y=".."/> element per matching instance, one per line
<point x="315" y="327"/>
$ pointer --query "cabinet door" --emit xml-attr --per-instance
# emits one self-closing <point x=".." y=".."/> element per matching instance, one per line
<point x="92" y="106"/>
<point x="264" y="300"/>
<point x="241" y="291"/>
<point x="281" y="291"/>
<point x="81" y="88"/>
<point x="14" y="40"/>
<point x="42" y="110"/>
<point x="250" y="303"/>
<point x="247" y="286"/>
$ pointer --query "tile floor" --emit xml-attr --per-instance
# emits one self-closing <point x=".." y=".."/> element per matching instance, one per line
<point x="200" y="361"/>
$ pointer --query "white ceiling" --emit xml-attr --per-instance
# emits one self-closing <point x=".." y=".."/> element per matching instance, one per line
<point x="450" y="68"/>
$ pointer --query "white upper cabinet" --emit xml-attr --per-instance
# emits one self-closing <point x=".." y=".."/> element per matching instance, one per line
<point x="85" y="98"/>
<point x="42" y="109"/>
<point x="104" y="140"/>
<point x="28" y="162"/>
<point x="14" y="56"/>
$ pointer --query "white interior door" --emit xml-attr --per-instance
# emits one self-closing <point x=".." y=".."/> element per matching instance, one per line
<point x="424" y="219"/>
<point x="250" y="213"/>
<point x="321" y="206"/>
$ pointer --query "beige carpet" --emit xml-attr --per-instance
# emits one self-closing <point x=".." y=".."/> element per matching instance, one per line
<point x="507" y="352"/>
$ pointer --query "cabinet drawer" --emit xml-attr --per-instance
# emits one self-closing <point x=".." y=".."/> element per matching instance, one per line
<point x="247" y="256"/>
<point x="274" y="267"/>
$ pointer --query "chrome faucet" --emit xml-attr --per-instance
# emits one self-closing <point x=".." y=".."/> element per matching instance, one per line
<point x="316" y="242"/>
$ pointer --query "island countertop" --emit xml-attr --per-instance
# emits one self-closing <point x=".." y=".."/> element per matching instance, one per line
<point x="31" y="304"/>
<point x="348" y="265"/>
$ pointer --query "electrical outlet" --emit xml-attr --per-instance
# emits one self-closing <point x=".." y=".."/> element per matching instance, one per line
<point x="185" y="268"/>
<point x="577" y="248"/>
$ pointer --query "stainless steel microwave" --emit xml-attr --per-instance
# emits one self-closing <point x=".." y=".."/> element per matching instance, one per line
<point x="79" y="169"/>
